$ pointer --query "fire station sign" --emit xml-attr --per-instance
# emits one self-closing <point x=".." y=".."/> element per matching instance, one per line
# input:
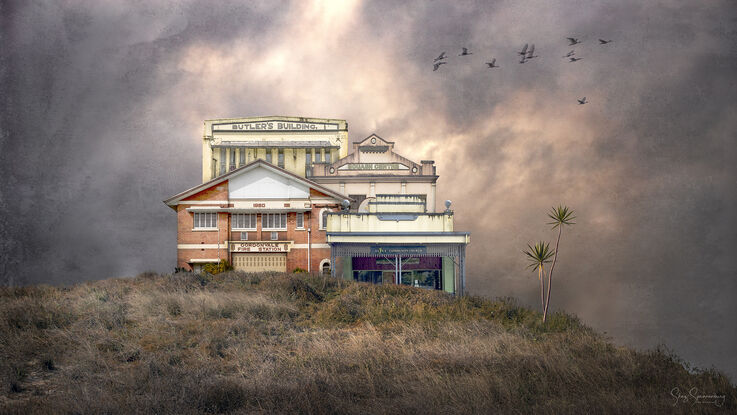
<point x="260" y="246"/>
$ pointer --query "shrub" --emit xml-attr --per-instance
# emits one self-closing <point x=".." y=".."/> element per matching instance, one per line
<point x="223" y="266"/>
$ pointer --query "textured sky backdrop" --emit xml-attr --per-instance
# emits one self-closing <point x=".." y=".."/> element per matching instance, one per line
<point x="103" y="103"/>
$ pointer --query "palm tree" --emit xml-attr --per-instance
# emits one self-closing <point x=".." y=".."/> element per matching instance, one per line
<point x="560" y="216"/>
<point x="538" y="256"/>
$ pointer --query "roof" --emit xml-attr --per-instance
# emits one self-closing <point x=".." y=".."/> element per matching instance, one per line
<point x="250" y="166"/>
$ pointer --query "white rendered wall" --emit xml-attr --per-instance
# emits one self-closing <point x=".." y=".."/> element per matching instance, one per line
<point x="262" y="184"/>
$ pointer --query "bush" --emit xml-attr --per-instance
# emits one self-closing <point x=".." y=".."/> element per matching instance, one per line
<point x="223" y="266"/>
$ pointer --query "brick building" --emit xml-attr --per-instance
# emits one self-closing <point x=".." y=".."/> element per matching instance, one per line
<point x="259" y="217"/>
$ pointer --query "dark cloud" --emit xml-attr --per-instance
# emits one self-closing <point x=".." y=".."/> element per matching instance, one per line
<point x="103" y="104"/>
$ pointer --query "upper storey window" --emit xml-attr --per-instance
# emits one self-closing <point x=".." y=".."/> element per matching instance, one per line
<point x="205" y="221"/>
<point x="280" y="158"/>
<point x="244" y="221"/>
<point x="277" y="221"/>
<point x="268" y="155"/>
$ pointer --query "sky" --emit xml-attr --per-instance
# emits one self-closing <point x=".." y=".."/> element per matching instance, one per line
<point x="103" y="104"/>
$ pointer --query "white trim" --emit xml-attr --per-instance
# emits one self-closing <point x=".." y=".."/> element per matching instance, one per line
<point x="204" y="229"/>
<point x="323" y="262"/>
<point x="200" y="202"/>
<point x="321" y="226"/>
<point x="203" y="260"/>
<point x="314" y="246"/>
<point x="200" y="246"/>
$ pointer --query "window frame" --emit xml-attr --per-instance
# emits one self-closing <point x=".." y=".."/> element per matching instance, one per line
<point x="296" y="221"/>
<point x="323" y="218"/>
<point x="195" y="221"/>
<point x="268" y="221"/>
<point x="252" y="216"/>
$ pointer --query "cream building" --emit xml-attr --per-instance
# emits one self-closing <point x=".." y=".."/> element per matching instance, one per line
<point x="390" y="231"/>
<point x="373" y="168"/>
<point x="292" y="143"/>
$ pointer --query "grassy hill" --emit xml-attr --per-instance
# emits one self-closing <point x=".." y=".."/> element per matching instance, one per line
<point x="239" y="343"/>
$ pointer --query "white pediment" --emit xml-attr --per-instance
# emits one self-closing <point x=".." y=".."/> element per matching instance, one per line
<point x="260" y="183"/>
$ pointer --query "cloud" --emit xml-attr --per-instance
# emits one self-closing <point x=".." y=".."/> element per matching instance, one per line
<point x="103" y="105"/>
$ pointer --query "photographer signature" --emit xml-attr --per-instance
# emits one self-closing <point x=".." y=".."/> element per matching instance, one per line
<point x="694" y="397"/>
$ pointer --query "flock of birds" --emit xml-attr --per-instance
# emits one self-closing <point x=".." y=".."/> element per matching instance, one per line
<point x="526" y="54"/>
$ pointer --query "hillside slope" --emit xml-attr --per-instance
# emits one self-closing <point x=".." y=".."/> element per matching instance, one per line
<point x="238" y="343"/>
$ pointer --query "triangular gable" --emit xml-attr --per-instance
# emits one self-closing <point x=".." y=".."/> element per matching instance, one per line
<point x="215" y="192"/>
<point x="257" y="164"/>
<point x="264" y="183"/>
<point x="378" y="141"/>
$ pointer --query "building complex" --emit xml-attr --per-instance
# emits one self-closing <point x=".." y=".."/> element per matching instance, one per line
<point x="284" y="194"/>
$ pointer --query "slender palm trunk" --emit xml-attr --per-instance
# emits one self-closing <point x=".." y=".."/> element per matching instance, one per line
<point x="542" y="289"/>
<point x="550" y="274"/>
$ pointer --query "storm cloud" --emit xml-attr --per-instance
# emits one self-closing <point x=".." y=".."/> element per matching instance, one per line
<point x="103" y="105"/>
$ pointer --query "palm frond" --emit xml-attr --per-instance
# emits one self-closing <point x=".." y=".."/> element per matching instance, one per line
<point x="539" y="254"/>
<point x="561" y="216"/>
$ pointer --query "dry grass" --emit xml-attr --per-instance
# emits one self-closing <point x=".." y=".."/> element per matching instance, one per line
<point x="237" y="343"/>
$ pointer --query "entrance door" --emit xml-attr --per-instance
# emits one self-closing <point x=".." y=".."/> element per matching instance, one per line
<point x="260" y="262"/>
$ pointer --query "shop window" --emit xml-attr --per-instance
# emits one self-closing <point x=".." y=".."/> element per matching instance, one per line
<point x="205" y="220"/>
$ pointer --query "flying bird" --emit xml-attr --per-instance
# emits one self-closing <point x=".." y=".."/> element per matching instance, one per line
<point x="604" y="42"/>
<point x="569" y="54"/>
<point x="573" y="41"/>
<point x="523" y="52"/>
<point x="582" y="101"/>
<point x="574" y="59"/>
<point x="531" y="52"/>
<point x="437" y="65"/>
<point x="492" y="64"/>
<point x="465" y="52"/>
<point x="440" y="57"/>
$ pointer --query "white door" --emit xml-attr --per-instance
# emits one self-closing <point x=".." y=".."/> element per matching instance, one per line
<point x="260" y="262"/>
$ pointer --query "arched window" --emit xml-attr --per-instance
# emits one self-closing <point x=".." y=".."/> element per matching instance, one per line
<point x="324" y="218"/>
<point x="325" y="266"/>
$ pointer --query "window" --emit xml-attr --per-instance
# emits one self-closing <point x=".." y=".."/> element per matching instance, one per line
<point x="244" y="236"/>
<point x="244" y="221"/>
<point x="205" y="220"/>
<point x="242" y="159"/>
<point x="318" y="157"/>
<point x="274" y="236"/>
<point x="274" y="221"/>
<point x="232" y="158"/>
<point x="280" y="158"/>
<point x="325" y="266"/>
<point x="308" y="158"/>
<point x="223" y="160"/>
<point x="324" y="218"/>
<point x="327" y="157"/>
<point x="300" y="220"/>
<point x="268" y="155"/>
